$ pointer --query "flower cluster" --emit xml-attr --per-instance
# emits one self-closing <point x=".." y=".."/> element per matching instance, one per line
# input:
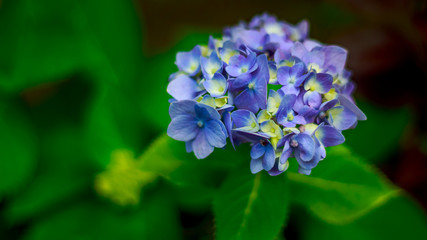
<point x="266" y="83"/>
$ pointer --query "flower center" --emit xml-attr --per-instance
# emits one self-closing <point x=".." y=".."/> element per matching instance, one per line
<point x="200" y="123"/>
<point x="322" y="115"/>
<point x="251" y="85"/>
<point x="294" y="143"/>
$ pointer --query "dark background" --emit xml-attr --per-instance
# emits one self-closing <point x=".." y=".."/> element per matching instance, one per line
<point x="80" y="79"/>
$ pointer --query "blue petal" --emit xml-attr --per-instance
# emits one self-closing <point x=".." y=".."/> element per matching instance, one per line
<point x="184" y="107"/>
<point x="245" y="120"/>
<point x="214" y="133"/>
<point x="205" y="112"/>
<point x="228" y="126"/>
<point x="257" y="151"/>
<point x="210" y="65"/>
<point x="309" y="164"/>
<point x="183" y="128"/>
<point x="306" y="147"/>
<point x="189" y="61"/>
<point x="183" y="88"/>
<point x="304" y="171"/>
<point x="329" y="136"/>
<point x="352" y="107"/>
<point x="201" y="146"/>
<point x="240" y="82"/>
<point x="256" y="165"/>
<point x="286" y="153"/>
<point x="188" y="146"/>
<point x="269" y="157"/>
<point x="217" y="86"/>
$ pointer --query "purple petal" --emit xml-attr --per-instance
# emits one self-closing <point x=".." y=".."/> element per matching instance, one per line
<point x="243" y="136"/>
<point x="283" y="75"/>
<point x="246" y="100"/>
<point x="286" y="153"/>
<point x="312" y="99"/>
<point x="240" y="82"/>
<point x="306" y="147"/>
<point x="183" y="128"/>
<point x="299" y="50"/>
<point x="309" y="164"/>
<point x="352" y="107"/>
<point x="285" y="107"/>
<point x="329" y="136"/>
<point x="328" y="105"/>
<point x="262" y="71"/>
<point x="335" y="58"/>
<point x="342" y="118"/>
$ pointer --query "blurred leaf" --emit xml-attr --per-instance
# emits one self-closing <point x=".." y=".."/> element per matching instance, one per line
<point x="156" y="218"/>
<point x="64" y="171"/>
<point x="400" y="218"/>
<point x="48" y="40"/>
<point x="168" y="158"/>
<point x="249" y="206"/>
<point x="341" y="188"/>
<point x="18" y="148"/>
<point x="111" y="126"/>
<point x="46" y="191"/>
<point x="376" y="138"/>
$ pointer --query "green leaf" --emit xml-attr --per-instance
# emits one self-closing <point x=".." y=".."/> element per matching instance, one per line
<point x="381" y="133"/>
<point x="18" y="148"/>
<point x="251" y="206"/>
<point x="341" y="188"/>
<point x="400" y="218"/>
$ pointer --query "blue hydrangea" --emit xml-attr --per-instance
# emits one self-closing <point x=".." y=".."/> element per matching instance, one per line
<point x="267" y="84"/>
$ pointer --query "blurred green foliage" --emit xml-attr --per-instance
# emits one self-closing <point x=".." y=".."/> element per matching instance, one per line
<point x="76" y="88"/>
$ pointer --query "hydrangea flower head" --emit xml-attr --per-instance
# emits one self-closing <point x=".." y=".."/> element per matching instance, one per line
<point x="267" y="84"/>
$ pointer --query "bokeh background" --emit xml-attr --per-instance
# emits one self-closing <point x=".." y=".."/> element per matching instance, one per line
<point x="82" y="93"/>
